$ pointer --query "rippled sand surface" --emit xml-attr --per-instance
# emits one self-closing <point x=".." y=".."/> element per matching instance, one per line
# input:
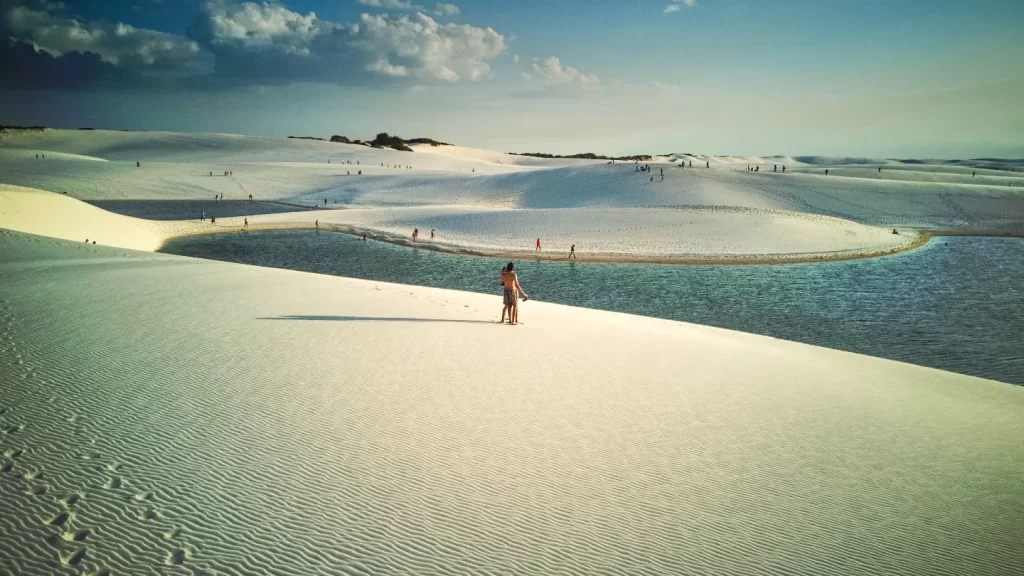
<point x="163" y="415"/>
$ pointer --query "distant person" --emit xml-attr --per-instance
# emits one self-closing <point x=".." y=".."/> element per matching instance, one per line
<point x="325" y="201"/>
<point x="572" y="251"/>
<point x="37" y="158"/>
<point x="783" y="168"/>
<point x="213" y="219"/>
<point x="826" y="171"/>
<point x="706" y="164"/>
<point x="757" y="168"/>
<point x="415" y="234"/>
<point x="431" y="233"/>
<point x="246" y="225"/>
<point x="879" y="169"/>
<point x="895" y="232"/>
<point x="537" y="249"/>
<point x="211" y="172"/>
<point x="317" y="224"/>
<point x="328" y="160"/>
<point x="364" y="236"/>
<point x="972" y="174"/>
<point x="86" y="240"/>
<point x="348" y="172"/>
<point x="202" y="216"/>
<point x="44" y="156"/>
<point x="137" y="165"/>
<point x="360" y="172"/>
<point x="775" y="167"/>
<point x="511" y="293"/>
<point x="250" y="197"/>
<point x="691" y="163"/>
<point x="652" y="179"/>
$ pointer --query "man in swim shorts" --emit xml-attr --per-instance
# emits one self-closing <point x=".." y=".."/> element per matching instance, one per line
<point x="510" y="297"/>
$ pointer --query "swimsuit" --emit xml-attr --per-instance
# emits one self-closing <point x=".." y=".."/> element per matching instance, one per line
<point x="510" y="297"/>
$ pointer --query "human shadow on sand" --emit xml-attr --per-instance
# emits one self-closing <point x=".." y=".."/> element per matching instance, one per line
<point x="378" y="319"/>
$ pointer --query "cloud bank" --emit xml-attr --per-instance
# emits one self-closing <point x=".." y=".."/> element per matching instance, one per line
<point x="244" y="43"/>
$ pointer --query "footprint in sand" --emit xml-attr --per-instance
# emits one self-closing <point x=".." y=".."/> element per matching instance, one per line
<point x="114" y="466"/>
<point x="89" y="456"/>
<point x="61" y="519"/>
<point x="7" y="467"/>
<point x="73" y="558"/>
<point x="37" y="490"/>
<point x="150" y="514"/>
<point x="144" y="497"/>
<point x="114" y="483"/>
<point x="172" y="534"/>
<point x="75" y="535"/>
<point x="34" y="475"/>
<point x="14" y="452"/>
<point x="177" y="557"/>
<point x="70" y="500"/>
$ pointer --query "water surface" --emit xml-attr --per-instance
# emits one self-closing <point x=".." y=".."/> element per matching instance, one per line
<point x="956" y="304"/>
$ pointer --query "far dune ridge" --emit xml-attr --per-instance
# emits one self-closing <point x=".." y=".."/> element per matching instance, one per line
<point x="495" y="203"/>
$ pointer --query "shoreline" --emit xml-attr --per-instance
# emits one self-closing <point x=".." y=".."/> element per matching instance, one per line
<point x="924" y="236"/>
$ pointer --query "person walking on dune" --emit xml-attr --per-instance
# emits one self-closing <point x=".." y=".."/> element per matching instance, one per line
<point x="431" y="233"/>
<point x="246" y="225"/>
<point x="537" y="249"/>
<point x="415" y="234"/>
<point x="510" y="295"/>
<point x="572" y="251"/>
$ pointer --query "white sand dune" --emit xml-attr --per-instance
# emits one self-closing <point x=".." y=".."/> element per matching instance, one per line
<point x="490" y="201"/>
<point x="167" y="415"/>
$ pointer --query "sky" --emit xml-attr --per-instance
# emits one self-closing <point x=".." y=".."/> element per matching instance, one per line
<point x="895" y="78"/>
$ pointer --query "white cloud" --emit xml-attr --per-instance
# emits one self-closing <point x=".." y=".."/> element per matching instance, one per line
<point x="445" y="9"/>
<point x="389" y="4"/>
<point x="675" y="7"/>
<point x="264" y="42"/>
<point x="515" y="58"/>
<point x="251" y="25"/>
<point x="123" y="45"/>
<point x="440" y="9"/>
<point x="551" y="73"/>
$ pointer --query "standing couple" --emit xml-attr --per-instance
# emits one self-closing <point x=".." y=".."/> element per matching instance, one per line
<point x="510" y="282"/>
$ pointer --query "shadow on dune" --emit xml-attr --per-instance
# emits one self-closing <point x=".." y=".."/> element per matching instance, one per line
<point x="377" y="319"/>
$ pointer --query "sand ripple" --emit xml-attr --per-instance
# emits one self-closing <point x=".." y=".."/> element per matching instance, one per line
<point x="161" y="416"/>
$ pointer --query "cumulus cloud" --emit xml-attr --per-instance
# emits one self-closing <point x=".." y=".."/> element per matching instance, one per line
<point x="675" y="6"/>
<point x="232" y="43"/>
<point x="444" y="9"/>
<point x="129" y="49"/>
<point x="551" y="73"/>
<point x="440" y="9"/>
<point x="264" y="42"/>
<point x="389" y="4"/>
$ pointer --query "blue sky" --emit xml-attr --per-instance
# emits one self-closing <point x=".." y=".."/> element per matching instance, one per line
<point x="897" y="78"/>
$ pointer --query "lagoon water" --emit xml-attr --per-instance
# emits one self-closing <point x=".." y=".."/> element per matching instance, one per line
<point x="956" y="304"/>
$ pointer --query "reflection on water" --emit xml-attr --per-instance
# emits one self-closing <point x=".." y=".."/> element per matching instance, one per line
<point x="956" y="304"/>
<point x="192" y="209"/>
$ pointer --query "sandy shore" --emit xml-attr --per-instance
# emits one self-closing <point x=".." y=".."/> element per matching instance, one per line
<point x="161" y="414"/>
